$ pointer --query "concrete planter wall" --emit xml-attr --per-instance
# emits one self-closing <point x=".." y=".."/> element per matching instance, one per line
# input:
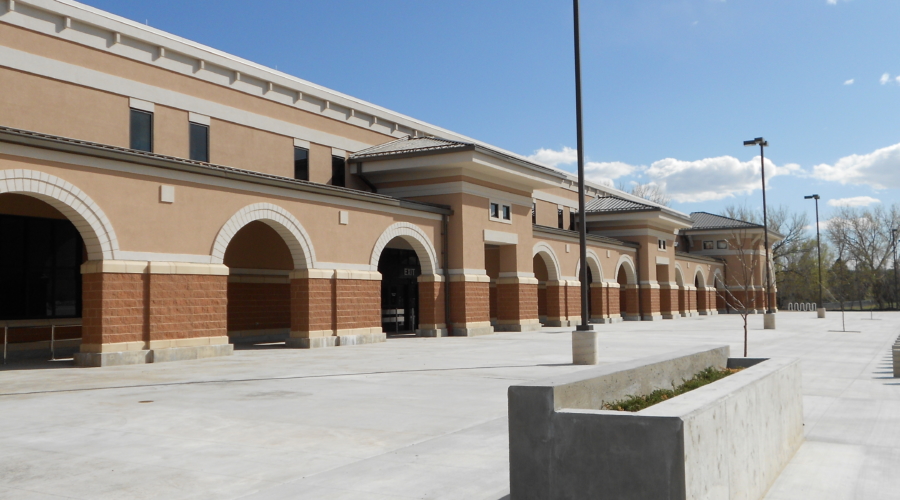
<point x="727" y="440"/>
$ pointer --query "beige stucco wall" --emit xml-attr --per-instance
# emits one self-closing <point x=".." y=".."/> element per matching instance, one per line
<point x="191" y="224"/>
<point x="43" y="105"/>
<point x="546" y="213"/>
<point x="251" y="149"/>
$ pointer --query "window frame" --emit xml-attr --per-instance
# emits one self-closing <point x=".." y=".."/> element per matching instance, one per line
<point x="343" y="176"/>
<point x="306" y="150"/>
<point x="711" y="246"/>
<point x="191" y="128"/>
<point x="721" y="245"/>
<point x="504" y="209"/>
<point x="131" y="138"/>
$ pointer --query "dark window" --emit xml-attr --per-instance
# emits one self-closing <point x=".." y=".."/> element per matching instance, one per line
<point x="507" y="212"/>
<point x="572" y="221"/>
<point x="40" y="268"/>
<point x="560" y="217"/>
<point x="301" y="164"/>
<point x="338" y="171"/>
<point x="495" y="210"/>
<point x="199" y="142"/>
<point x="661" y="244"/>
<point x="708" y="245"/>
<point x="141" y="130"/>
<point x="722" y="245"/>
<point x="534" y="213"/>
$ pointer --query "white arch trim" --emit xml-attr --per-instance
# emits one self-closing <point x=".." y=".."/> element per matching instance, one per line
<point x="702" y="274"/>
<point x="626" y="262"/>
<point x="413" y="235"/>
<point x="549" y="256"/>
<point x="718" y="278"/>
<point x="593" y="264"/>
<point x="279" y="219"/>
<point x="679" y="273"/>
<point x="93" y="225"/>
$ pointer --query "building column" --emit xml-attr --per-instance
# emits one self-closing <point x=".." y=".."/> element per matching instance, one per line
<point x="470" y="305"/>
<point x="573" y="302"/>
<point x="138" y="312"/>
<point x="632" y="305"/>
<point x="557" y="310"/>
<point x="431" y="306"/>
<point x="493" y="302"/>
<point x="335" y="308"/>
<point x="614" y="312"/>
<point x="668" y="301"/>
<point x="650" y="302"/>
<point x="517" y="308"/>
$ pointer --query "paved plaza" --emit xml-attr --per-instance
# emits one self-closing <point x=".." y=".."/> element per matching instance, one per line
<point x="409" y="418"/>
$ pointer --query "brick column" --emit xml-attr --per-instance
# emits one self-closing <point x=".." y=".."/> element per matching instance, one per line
<point x="335" y="307"/>
<point x="517" y="308"/>
<point x="690" y="303"/>
<point x="613" y="292"/>
<point x="470" y="305"/>
<point x="432" y="319"/>
<point x="631" y="312"/>
<point x="152" y="312"/>
<point x="650" y="302"/>
<point x="573" y="302"/>
<point x="668" y="301"/>
<point x="557" y="314"/>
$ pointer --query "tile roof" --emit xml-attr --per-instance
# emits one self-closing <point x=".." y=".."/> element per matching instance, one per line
<point x="410" y="144"/>
<point x="616" y="204"/>
<point x="706" y="220"/>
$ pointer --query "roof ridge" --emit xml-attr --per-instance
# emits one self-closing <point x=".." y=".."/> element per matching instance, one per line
<point x="726" y="217"/>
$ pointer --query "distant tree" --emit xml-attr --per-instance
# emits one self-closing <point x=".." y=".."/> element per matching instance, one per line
<point x="739" y="292"/>
<point x="649" y="191"/>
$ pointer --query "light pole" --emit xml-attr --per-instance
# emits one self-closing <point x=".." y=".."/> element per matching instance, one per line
<point x="585" y="342"/>
<point x="820" y="311"/>
<point x="894" y="240"/>
<point x="769" y="318"/>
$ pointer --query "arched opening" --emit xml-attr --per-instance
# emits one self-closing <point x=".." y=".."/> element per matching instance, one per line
<point x="492" y="268"/>
<point x="259" y="288"/>
<point x="541" y="274"/>
<point x="41" y="252"/>
<point x="622" y="280"/>
<point x="696" y="293"/>
<point x="682" y="293"/>
<point x="400" y="269"/>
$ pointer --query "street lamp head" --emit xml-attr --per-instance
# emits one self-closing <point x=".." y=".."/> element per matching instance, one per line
<point x="759" y="141"/>
<point x="812" y="197"/>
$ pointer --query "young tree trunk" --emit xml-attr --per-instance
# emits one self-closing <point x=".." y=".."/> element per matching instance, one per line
<point x="745" y="335"/>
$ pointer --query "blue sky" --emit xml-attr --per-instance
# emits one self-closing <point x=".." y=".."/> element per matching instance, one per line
<point x="671" y="87"/>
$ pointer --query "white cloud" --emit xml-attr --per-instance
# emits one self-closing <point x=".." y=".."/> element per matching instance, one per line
<point x="884" y="79"/>
<point x="553" y="158"/>
<point x="602" y="172"/>
<point x="856" y="201"/>
<point x="879" y="169"/>
<point x="849" y="82"/>
<point x="897" y="80"/>
<point x="712" y="178"/>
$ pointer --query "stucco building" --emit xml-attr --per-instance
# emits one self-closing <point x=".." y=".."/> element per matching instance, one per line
<point x="161" y="200"/>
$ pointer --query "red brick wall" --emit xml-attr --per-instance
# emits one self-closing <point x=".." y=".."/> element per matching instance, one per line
<point x="542" y="301"/>
<point x="631" y="301"/>
<point x="668" y="300"/>
<point x="516" y="301"/>
<point x="599" y="302"/>
<point x="493" y="295"/>
<point x="184" y="306"/>
<point x="357" y="304"/>
<point x="649" y="301"/>
<point x="469" y="302"/>
<point x="573" y="301"/>
<point x="612" y="300"/>
<point x="312" y="305"/>
<point x="556" y="302"/>
<point x="258" y="306"/>
<point x="113" y="308"/>
<point x="431" y="303"/>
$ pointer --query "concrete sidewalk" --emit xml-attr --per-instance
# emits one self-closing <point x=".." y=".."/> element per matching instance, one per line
<point x="409" y="418"/>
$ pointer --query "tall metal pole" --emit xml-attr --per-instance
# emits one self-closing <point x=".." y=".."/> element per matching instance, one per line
<point x="582" y="227"/>
<point x="894" y="238"/>
<point x="819" y="252"/>
<point x="762" y="160"/>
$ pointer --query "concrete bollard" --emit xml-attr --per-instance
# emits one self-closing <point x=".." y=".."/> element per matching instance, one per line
<point x="820" y="312"/>
<point x="585" y="347"/>
<point x="768" y="321"/>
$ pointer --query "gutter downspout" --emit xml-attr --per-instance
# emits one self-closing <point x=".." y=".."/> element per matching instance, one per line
<point x="359" y="173"/>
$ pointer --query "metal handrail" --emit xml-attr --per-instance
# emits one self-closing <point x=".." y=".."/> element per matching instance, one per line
<point x="53" y="323"/>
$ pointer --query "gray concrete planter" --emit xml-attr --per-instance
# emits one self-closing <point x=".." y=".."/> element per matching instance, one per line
<point x="727" y="440"/>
